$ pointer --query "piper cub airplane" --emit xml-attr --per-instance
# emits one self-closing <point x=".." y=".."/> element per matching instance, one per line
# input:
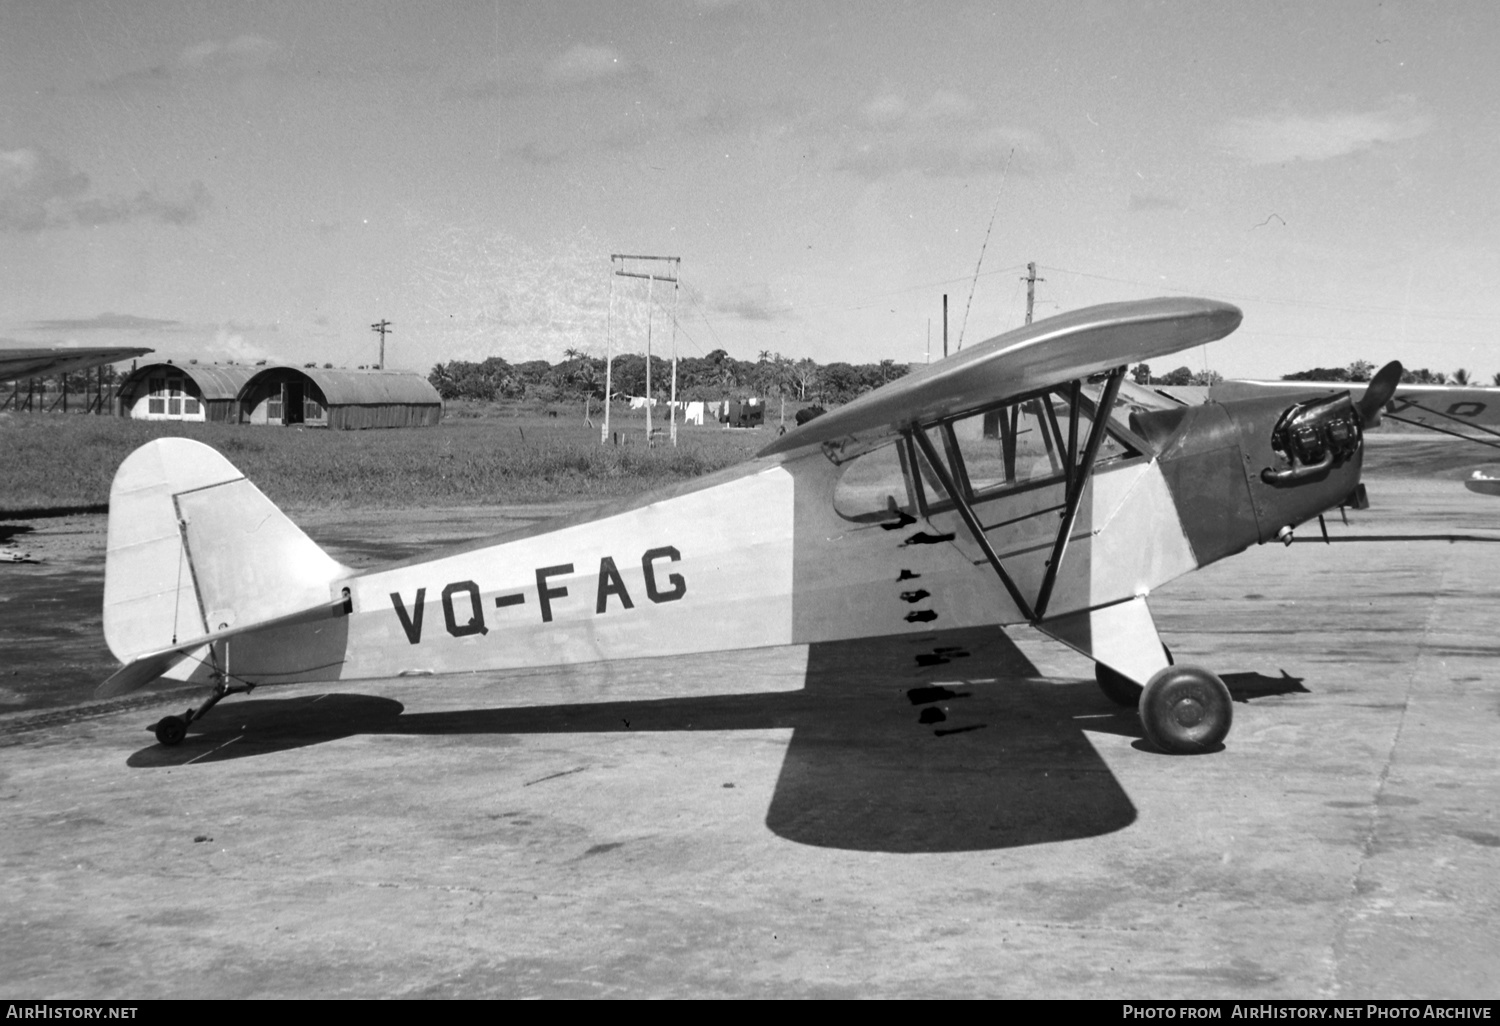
<point x="983" y="490"/>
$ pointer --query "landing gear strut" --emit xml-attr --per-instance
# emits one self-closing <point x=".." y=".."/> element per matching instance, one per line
<point x="1119" y="688"/>
<point x="170" y="730"/>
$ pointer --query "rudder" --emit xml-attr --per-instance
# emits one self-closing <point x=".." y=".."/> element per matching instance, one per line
<point x="194" y="549"/>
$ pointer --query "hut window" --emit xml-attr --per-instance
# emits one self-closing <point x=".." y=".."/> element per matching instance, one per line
<point x="157" y="403"/>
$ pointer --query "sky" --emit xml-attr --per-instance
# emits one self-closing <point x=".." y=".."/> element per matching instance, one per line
<point x="264" y="180"/>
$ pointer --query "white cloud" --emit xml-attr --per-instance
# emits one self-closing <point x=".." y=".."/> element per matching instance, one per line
<point x="240" y="58"/>
<point x="943" y="135"/>
<point x="40" y="190"/>
<point x="752" y="303"/>
<point x="582" y="67"/>
<point x="1276" y="140"/>
<point x="34" y="187"/>
<point x="229" y="341"/>
<point x="105" y="322"/>
<point x="583" y="64"/>
<point x="145" y="205"/>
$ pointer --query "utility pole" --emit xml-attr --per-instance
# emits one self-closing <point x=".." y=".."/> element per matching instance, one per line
<point x="1031" y="279"/>
<point x="381" y="327"/>
<point x="609" y="359"/>
<point x="652" y="276"/>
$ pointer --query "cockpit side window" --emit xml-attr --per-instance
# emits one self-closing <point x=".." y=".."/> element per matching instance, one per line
<point x="876" y="485"/>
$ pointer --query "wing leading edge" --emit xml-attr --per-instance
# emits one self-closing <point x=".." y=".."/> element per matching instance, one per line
<point x="1052" y="351"/>
<point x="16" y="364"/>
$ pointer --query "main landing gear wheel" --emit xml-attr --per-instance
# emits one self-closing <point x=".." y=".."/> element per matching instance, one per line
<point x="170" y="730"/>
<point x="1119" y="688"/>
<point x="1186" y="710"/>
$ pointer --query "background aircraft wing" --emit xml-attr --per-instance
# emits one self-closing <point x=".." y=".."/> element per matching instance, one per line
<point x="34" y="363"/>
<point x="1049" y="352"/>
<point x="1446" y="406"/>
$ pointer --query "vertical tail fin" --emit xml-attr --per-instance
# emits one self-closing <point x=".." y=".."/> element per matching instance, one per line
<point x="195" y="550"/>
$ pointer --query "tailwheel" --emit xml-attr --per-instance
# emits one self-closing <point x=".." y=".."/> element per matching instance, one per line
<point x="1186" y="710"/>
<point x="170" y="730"/>
<point x="1119" y="688"/>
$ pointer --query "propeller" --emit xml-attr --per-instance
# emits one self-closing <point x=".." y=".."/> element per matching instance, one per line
<point x="1382" y="387"/>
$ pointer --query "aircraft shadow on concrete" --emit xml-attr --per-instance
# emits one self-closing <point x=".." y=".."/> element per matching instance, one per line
<point x="1245" y="686"/>
<point x="947" y="742"/>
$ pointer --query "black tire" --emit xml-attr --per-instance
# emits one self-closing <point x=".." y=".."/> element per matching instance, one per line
<point x="1119" y="688"/>
<point x="1186" y="710"/>
<point x="170" y="730"/>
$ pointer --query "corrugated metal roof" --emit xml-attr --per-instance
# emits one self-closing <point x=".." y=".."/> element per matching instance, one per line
<point x="215" y="380"/>
<point x="339" y="387"/>
<point x="366" y="388"/>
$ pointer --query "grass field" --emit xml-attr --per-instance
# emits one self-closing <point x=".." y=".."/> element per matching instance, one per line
<point x="56" y="461"/>
<point x="482" y="454"/>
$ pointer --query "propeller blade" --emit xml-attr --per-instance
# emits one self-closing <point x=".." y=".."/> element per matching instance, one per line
<point x="1382" y="387"/>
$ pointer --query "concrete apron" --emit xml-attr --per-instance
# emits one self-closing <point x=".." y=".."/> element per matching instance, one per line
<point x="806" y="824"/>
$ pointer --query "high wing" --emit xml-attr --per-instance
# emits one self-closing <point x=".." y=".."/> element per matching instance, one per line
<point x="1051" y="352"/>
<point x="34" y="363"/>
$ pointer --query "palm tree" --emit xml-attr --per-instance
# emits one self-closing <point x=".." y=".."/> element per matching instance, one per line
<point x="1460" y="377"/>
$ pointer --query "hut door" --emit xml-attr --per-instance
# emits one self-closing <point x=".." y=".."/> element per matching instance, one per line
<point x="293" y="403"/>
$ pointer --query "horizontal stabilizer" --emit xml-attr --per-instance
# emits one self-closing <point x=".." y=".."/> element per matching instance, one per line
<point x="146" y="668"/>
<point x="139" y="673"/>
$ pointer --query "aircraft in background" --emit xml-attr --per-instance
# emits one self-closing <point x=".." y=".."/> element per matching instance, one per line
<point x="983" y="490"/>
<point x="1427" y="406"/>
<point x="17" y="364"/>
<point x="1437" y="408"/>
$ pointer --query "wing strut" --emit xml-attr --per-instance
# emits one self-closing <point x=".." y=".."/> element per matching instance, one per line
<point x="1077" y="480"/>
<point x="1446" y="431"/>
<point x="970" y="520"/>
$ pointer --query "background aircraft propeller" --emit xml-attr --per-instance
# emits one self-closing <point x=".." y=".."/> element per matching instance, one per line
<point x="1382" y="387"/>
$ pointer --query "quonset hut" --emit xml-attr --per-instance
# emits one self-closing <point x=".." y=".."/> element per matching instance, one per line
<point x="279" y="394"/>
<point x="340" y="398"/>
<point x="166" y="391"/>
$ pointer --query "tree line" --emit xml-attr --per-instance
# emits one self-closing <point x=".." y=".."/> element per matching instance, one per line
<point x="1359" y="370"/>
<point x="1362" y="370"/>
<point x="579" y="376"/>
